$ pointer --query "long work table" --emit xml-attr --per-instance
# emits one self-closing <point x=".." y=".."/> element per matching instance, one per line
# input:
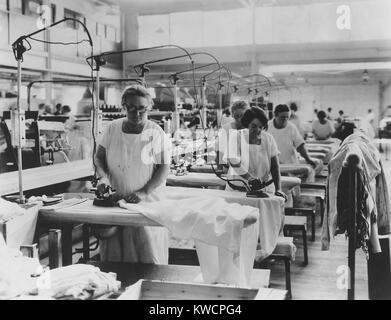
<point x="202" y="179"/>
<point x="81" y="210"/>
<point x="44" y="176"/>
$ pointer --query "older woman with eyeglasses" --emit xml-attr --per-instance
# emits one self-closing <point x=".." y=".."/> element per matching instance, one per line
<point x="133" y="158"/>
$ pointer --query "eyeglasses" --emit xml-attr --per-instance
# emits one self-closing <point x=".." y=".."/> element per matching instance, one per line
<point x="134" y="109"/>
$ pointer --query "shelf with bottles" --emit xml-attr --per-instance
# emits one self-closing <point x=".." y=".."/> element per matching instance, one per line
<point x="112" y="112"/>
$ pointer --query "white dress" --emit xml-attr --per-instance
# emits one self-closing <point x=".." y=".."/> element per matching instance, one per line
<point x="131" y="159"/>
<point x="255" y="159"/>
<point x="288" y="139"/>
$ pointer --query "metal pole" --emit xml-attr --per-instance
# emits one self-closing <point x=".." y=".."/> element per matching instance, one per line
<point x="219" y="112"/>
<point x="96" y="111"/>
<point x="175" y="116"/>
<point x="20" y="163"/>
<point x="203" y="113"/>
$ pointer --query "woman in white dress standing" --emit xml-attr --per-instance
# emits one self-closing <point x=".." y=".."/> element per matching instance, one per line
<point x="253" y="153"/>
<point x="133" y="157"/>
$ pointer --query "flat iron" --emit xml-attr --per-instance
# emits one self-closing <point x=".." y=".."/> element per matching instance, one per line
<point x="104" y="199"/>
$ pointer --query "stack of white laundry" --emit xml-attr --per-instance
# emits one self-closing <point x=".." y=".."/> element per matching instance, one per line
<point x="9" y="209"/>
<point x="18" y="274"/>
<point x="25" y="278"/>
<point x="78" y="282"/>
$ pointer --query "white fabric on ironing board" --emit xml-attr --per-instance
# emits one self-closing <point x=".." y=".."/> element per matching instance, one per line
<point x="225" y="249"/>
<point x="271" y="211"/>
<point x="303" y="171"/>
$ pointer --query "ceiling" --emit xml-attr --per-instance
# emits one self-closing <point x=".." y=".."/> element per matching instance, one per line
<point x="299" y="64"/>
<point x="169" y="6"/>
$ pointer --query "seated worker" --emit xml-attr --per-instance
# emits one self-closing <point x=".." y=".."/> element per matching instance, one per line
<point x="322" y="128"/>
<point x="295" y="119"/>
<point x="255" y="157"/>
<point x="70" y="123"/>
<point x="238" y="109"/>
<point x="58" y="109"/>
<point x="135" y="175"/>
<point x="339" y="120"/>
<point x="288" y="138"/>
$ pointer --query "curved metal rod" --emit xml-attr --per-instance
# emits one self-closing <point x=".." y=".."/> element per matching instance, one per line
<point x="109" y="53"/>
<point x="25" y="37"/>
<point x="196" y="68"/>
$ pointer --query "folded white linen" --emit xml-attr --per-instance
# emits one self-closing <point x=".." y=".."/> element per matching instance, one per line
<point x="77" y="281"/>
<point x="9" y="209"/>
<point x="16" y="272"/>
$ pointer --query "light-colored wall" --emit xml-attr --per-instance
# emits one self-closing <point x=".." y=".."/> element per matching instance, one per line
<point x="354" y="100"/>
<point x="88" y="9"/>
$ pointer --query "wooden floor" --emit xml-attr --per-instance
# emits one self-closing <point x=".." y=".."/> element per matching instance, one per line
<point x="318" y="280"/>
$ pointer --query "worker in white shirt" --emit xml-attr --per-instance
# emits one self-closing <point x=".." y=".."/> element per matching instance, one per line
<point x="296" y="120"/>
<point x="288" y="138"/>
<point x="370" y="117"/>
<point x="322" y="128"/>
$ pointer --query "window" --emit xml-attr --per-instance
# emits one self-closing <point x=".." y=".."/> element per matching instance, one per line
<point x="111" y="33"/>
<point x="74" y="15"/>
<point x="187" y="28"/>
<point x="4" y="5"/>
<point x="154" y="30"/>
<point x="227" y="28"/>
<point x="100" y="29"/>
<point x="32" y="7"/>
<point x="53" y="6"/>
<point x="16" y="6"/>
<point x="91" y="26"/>
<point x="197" y="29"/>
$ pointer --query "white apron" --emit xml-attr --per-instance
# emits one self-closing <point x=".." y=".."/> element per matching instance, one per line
<point x="128" y="173"/>
<point x="254" y="158"/>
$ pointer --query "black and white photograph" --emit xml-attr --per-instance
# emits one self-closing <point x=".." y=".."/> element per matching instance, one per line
<point x="199" y="154"/>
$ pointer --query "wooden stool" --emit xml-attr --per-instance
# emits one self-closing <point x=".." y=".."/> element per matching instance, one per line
<point x="285" y="250"/>
<point x="303" y="212"/>
<point x="293" y="223"/>
<point x="316" y="190"/>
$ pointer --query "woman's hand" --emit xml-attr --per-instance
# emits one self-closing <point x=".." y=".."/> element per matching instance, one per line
<point x="312" y="163"/>
<point x="279" y="193"/>
<point x="102" y="185"/>
<point x="136" y="197"/>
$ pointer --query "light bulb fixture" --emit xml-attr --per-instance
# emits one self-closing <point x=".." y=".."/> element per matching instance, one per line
<point x="160" y="30"/>
<point x="365" y="76"/>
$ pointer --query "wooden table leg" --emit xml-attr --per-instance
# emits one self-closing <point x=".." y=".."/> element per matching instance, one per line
<point x="86" y="242"/>
<point x="54" y="248"/>
<point x="66" y="231"/>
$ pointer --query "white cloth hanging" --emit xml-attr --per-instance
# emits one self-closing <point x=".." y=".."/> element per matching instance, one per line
<point x="226" y="250"/>
<point x="359" y="144"/>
